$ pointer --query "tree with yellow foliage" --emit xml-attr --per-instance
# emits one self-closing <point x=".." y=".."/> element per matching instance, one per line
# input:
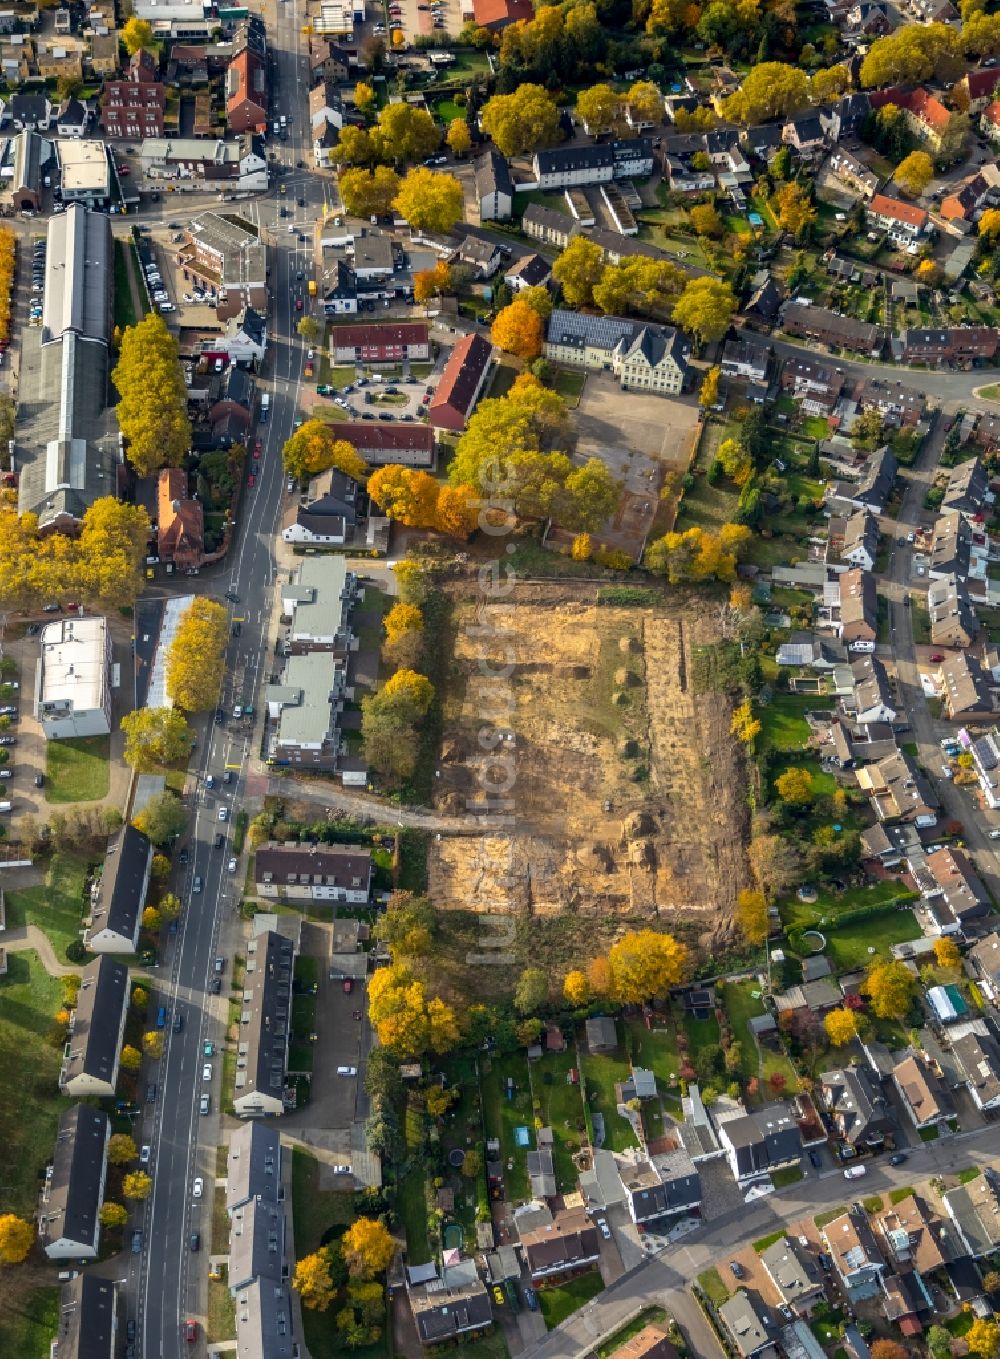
<point x="928" y="273"/>
<point x="155" y="736"/>
<point x="889" y="986"/>
<point x="368" y="1247"/>
<point x="576" y="988"/>
<point x="989" y="224"/>
<point x="645" y="964"/>
<point x="16" y="1239"/>
<point x="708" y="394"/>
<point x="121" y="1149"/>
<point x="429" y="199"/>
<point x="795" y="787"/>
<point x="751" y="915"/>
<point x="440" y="1100"/>
<point x="698" y="554"/>
<point x="364" y="96"/>
<point x="518" y="330"/>
<point x="368" y="192"/>
<point x="457" y="511"/>
<point x="314" y="447"/>
<point x="796" y="212"/>
<point x="313" y="1280"/>
<point x="582" y="549"/>
<point x="914" y="173"/>
<point x="458" y="137"/>
<point x="407" y="1021"/>
<point x="131" y="1058"/>
<point x="137" y="1185"/>
<point x="743" y="725"/>
<point x="735" y="461"/>
<point x="983" y="1338"/>
<point x="152" y="1044"/>
<point x="645" y="102"/>
<point x="113" y="1214"/>
<point x="137" y="34"/>
<point x="152" y="405"/>
<point x="151" y="920"/>
<point x="946" y="953"/>
<point x="841" y="1027"/>
<point x="196" y="658"/>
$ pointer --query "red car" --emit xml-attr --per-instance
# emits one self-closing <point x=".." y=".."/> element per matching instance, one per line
<point x="124" y="171"/>
<point x="937" y="657"/>
<point x="251" y="480"/>
<point x="348" y="985"/>
<point x="298" y="304"/>
<point x="191" y="1331"/>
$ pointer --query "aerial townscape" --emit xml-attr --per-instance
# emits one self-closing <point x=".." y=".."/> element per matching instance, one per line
<point x="500" y="679"/>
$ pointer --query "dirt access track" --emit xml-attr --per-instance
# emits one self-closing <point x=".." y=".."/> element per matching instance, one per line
<point x="626" y="792"/>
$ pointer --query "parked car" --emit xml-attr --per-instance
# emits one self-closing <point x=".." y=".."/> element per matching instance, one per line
<point x="137" y="1243"/>
<point x="195" y="1241"/>
<point x="151" y="1093"/>
<point x="144" y="1155"/>
<point x="206" y="1072"/>
<point x="191" y="1332"/>
<point x="897" y="1158"/>
<point x="855" y="1172"/>
<point x="198" y="1188"/>
<point x="204" y="1104"/>
<point x="737" y="1269"/>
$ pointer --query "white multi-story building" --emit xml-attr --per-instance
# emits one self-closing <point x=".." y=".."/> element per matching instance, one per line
<point x="73" y="678"/>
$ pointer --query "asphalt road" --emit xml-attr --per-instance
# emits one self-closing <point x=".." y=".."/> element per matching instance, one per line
<point x="170" y="1280"/>
<point x="666" y="1278"/>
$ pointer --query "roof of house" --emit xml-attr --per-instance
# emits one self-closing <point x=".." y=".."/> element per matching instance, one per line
<point x="610" y="333"/>
<point x="967" y="485"/>
<point x="893" y="209"/>
<point x="744" y="1320"/>
<point x="264" y="1321"/>
<point x="253" y="1164"/>
<point x="264" y="1024"/>
<point x="978" y="1056"/>
<point x="871" y="683"/>
<point x="361" y="335"/>
<point x="462" y="375"/>
<point x="489" y="12"/>
<point x="793" y="1272"/>
<point x="493" y="175"/>
<point x="256" y="1242"/>
<point x="87" y="1318"/>
<point x="347" y="867"/>
<point x="762" y="1140"/>
<point x="70" y="1211"/>
<point x="97" y="1020"/>
<point x="861" y="1109"/>
<point x="120" y="901"/>
<point x="532" y="270"/>
<point x="541" y="1173"/>
<point x="852" y="1242"/>
<point x="180" y="518"/>
<point x="986" y="955"/>
<point x="914" y="1234"/>
<point x="652" y="1342"/>
<point x="920" y="1088"/>
<point x="376" y="434"/>
<point x="601" y="1032"/>
<point x="858" y="599"/>
<point x="444" y="1307"/>
<point x="953" y="872"/>
<point x="967" y="686"/>
<point x="568" y="1240"/>
<point x="975" y="1209"/>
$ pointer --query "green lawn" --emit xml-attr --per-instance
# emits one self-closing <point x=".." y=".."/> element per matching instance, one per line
<point x="28" y="1322"/>
<point x="29" y="1069"/>
<point x="411" y="1204"/>
<point x="738" y="1000"/>
<point x="649" y="1316"/>
<point x="568" y="382"/>
<point x="504" y="376"/>
<point x="124" y="311"/>
<point x="317" y="1213"/>
<point x="656" y="1049"/>
<point x="490" y="1345"/>
<point x="77" y="770"/>
<point x="600" y="1073"/>
<point x="797" y="914"/>
<point x="56" y="906"/>
<point x="712" y="1285"/>
<point x="849" y="947"/>
<point x="561" y="1302"/>
<point x="562" y="1110"/>
<point x="782" y="721"/>
<point x="502" y="1115"/>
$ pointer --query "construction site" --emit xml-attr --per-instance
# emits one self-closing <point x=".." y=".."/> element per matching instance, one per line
<point x="620" y="789"/>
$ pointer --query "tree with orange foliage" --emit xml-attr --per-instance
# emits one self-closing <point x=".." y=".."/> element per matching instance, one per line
<point x="405" y="494"/>
<point x="518" y="330"/>
<point x="428" y="283"/>
<point x="599" y="977"/>
<point x="457" y="510"/>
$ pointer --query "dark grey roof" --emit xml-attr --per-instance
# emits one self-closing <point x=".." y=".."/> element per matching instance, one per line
<point x="256" y="1243"/>
<point x="493" y="175"/>
<point x="87" y="1328"/>
<point x="29" y="108"/>
<point x="239" y="386"/>
<point x="267" y="1006"/>
<point x="253" y="1168"/>
<point x="632" y="148"/>
<point x="531" y="269"/>
<point x="97" y="1021"/>
<point x="549" y="218"/>
<point x="978" y="1056"/>
<point x="264" y="1321"/>
<point x="65" y="444"/>
<point x="253" y="325"/>
<point x="966" y="488"/>
<point x="344" y="866"/>
<point x="565" y="159"/>
<point x="74" y="1191"/>
<point x="862" y="1111"/>
<point x="120" y="900"/>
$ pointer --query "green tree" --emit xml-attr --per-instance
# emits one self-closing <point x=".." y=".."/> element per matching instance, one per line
<point x="309" y="328"/>
<point x="771" y="89"/>
<point x="522" y="121"/>
<point x="531" y="991"/>
<point x="155" y="736"/>
<point x="162" y="818"/>
<point x="196" y="658"/>
<point x="152" y="405"/>
<point x="430" y="200"/>
<point x="121" y="1149"/>
<point x="314" y="447"/>
<point x="912" y="53"/>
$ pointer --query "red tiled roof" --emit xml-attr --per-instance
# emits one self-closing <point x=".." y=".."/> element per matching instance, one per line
<point x="413" y="332"/>
<point x="387" y="437"/>
<point x="489" y="12"/>
<point x="884" y="206"/>
<point x="929" y="110"/>
<point x="982" y="82"/>
<point x="461" y="375"/>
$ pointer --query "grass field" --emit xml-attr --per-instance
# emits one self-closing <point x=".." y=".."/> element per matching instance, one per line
<point x="29" y="1068"/>
<point x="559" y="1303"/>
<point x="221" y="1310"/>
<point x="411" y="1204"/>
<point x="600" y="1073"/>
<point x="502" y="1115"/>
<point x="830" y="904"/>
<point x="56" y="906"/>
<point x="649" y="1316"/>
<point x="569" y="384"/>
<point x="317" y="1212"/>
<point x="124" y="314"/>
<point x="741" y="1006"/>
<point x="783" y="723"/>
<point x="849" y="947"/>
<point x="77" y="769"/>
<point x="562" y="1110"/>
<point x="711" y="1283"/>
<point x="29" y="1318"/>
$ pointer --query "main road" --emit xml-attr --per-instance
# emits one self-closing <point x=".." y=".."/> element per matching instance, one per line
<point x="168" y="1281"/>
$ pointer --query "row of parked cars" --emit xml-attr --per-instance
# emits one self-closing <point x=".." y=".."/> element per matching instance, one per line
<point x="157" y="292"/>
<point x="37" y="282"/>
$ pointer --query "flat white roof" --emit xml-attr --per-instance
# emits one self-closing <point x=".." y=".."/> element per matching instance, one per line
<point x="84" y="166"/>
<point x="73" y="655"/>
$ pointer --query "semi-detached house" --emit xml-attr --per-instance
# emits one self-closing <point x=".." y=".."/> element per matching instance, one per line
<point x="69" y="1222"/>
<point x="335" y="873"/>
<point x="264" y="1027"/>
<point x="119" y="897"/>
<point x="904" y="222"/>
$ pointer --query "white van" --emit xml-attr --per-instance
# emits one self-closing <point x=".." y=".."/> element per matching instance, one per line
<point x="265" y="401"/>
<point x="6" y="806"/>
<point x="283" y="121"/>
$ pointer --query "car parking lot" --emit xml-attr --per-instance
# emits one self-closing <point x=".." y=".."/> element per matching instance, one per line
<point x="427" y="18"/>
